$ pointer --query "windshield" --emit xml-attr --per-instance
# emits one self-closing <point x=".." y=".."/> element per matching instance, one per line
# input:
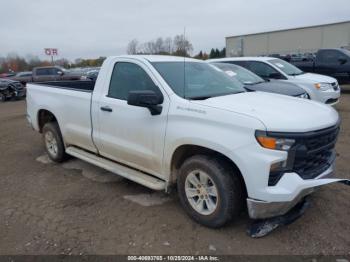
<point x="346" y="51"/>
<point x="201" y="80"/>
<point x="241" y="74"/>
<point x="286" y="67"/>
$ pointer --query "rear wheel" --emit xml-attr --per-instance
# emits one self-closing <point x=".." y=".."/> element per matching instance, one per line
<point x="53" y="142"/>
<point x="210" y="192"/>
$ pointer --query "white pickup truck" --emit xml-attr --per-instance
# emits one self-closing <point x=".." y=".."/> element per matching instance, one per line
<point x="163" y="121"/>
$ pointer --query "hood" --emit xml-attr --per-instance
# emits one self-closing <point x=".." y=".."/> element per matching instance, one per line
<point x="7" y="81"/>
<point x="278" y="113"/>
<point x="315" y="78"/>
<point x="278" y="87"/>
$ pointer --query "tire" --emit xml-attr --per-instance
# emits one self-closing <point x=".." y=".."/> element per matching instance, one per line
<point x="53" y="142"/>
<point x="229" y="190"/>
<point x="2" y="98"/>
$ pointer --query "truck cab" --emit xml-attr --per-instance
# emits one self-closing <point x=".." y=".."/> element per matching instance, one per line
<point x="47" y="73"/>
<point x="331" y="62"/>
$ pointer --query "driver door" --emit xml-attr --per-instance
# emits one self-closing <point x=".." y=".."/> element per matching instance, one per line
<point x="129" y="134"/>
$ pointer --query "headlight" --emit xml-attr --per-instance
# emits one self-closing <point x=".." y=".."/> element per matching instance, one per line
<point x="304" y="96"/>
<point x="323" y="86"/>
<point x="275" y="143"/>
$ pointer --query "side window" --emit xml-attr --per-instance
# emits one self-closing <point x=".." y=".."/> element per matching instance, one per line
<point x="54" y="71"/>
<point x="240" y="63"/>
<point x="42" y="71"/>
<point x="261" y="69"/>
<point x="128" y="77"/>
<point x="331" y="57"/>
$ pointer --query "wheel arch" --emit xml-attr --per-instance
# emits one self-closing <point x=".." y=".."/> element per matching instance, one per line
<point x="45" y="116"/>
<point x="183" y="152"/>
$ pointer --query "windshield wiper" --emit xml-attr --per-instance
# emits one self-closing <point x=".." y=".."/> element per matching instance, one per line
<point x="210" y="96"/>
<point x="253" y="83"/>
<point x="296" y="74"/>
<point x="199" y="97"/>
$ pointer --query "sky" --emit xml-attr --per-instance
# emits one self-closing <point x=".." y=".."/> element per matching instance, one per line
<point x="93" y="28"/>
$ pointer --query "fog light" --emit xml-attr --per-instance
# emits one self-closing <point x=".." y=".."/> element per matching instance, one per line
<point x="278" y="166"/>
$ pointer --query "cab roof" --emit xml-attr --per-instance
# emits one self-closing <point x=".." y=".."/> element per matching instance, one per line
<point x="159" y="58"/>
<point x="251" y="58"/>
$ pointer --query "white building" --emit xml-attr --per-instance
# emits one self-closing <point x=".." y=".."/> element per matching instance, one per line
<point x="290" y="41"/>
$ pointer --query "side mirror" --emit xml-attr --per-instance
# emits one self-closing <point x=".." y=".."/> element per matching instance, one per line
<point x="148" y="99"/>
<point x="275" y="76"/>
<point x="342" y="61"/>
<point x="60" y="73"/>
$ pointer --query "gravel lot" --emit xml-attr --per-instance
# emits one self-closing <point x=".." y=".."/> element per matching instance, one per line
<point x="75" y="208"/>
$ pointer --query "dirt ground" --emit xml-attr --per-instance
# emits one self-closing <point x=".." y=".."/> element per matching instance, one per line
<point x="75" y="208"/>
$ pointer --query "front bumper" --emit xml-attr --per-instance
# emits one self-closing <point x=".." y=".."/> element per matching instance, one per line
<point x="258" y="209"/>
<point x="329" y="97"/>
<point x="292" y="185"/>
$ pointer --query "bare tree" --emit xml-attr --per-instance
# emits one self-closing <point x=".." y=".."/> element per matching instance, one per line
<point x="159" y="45"/>
<point x="182" y="46"/>
<point x="168" y="45"/>
<point x="149" y="48"/>
<point x="179" y="46"/>
<point x="132" y="48"/>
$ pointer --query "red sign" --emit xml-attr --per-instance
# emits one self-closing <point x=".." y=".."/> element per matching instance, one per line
<point x="51" y="51"/>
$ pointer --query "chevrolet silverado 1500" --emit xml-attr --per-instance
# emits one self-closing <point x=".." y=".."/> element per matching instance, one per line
<point x="163" y="121"/>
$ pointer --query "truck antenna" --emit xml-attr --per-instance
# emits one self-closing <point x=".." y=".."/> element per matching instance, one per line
<point x="184" y="55"/>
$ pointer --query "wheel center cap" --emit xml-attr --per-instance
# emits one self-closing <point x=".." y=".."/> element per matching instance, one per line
<point x="203" y="191"/>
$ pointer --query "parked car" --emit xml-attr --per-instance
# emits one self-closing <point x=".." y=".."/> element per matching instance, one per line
<point x="23" y="77"/>
<point x="53" y="73"/>
<point x="5" y="75"/>
<point x="162" y="121"/>
<point x="91" y="75"/>
<point x="331" y="62"/>
<point x="320" y="88"/>
<point x="10" y="89"/>
<point x="253" y="82"/>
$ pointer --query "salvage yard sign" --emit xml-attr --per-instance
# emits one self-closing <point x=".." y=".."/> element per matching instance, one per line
<point x="51" y="52"/>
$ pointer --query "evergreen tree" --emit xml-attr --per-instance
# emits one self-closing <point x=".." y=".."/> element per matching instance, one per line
<point x="212" y="53"/>
<point x="223" y="52"/>
<point x="217" y="53"/>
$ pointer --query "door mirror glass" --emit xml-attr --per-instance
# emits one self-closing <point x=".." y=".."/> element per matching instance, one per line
<point x="60" y="73"/>
<point x="146" y="98"/>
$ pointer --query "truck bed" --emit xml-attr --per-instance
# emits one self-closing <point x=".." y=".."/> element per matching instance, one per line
<point x="78" y="85"/>
<point x="69" y="102"/>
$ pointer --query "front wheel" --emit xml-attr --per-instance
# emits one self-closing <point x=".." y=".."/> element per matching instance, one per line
<point x="210" y="192"/>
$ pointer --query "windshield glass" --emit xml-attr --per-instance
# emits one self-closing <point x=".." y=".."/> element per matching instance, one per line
<point x="346" y="51"/>
<point x="286" y="67"/>
<point x="241" y="74"/>
<point x="200" y="81"/>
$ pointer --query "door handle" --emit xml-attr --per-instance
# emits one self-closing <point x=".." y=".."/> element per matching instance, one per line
<point x="106" y="109"/>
